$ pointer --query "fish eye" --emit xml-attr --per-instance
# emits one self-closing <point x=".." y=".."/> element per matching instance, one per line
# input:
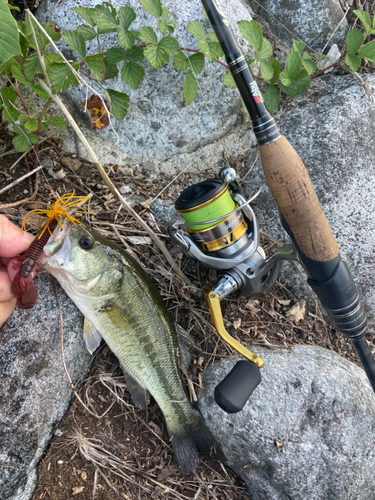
<point x="86" y="243"/>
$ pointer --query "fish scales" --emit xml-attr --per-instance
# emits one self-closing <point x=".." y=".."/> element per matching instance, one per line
<point x="121" y="302"/>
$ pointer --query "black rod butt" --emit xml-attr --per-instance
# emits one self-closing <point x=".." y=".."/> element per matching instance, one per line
<point x="236" y="388"/>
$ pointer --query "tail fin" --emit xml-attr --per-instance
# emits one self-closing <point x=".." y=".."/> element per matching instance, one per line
<point x="191" y="440"/>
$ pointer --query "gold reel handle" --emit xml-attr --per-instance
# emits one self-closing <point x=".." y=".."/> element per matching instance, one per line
<point x="213" y="303"/>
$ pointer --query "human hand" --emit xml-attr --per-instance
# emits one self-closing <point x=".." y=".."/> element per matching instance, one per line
<point x="13" y="241"/>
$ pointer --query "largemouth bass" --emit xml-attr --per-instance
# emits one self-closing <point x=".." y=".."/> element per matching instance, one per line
<point x="122" y="305"/>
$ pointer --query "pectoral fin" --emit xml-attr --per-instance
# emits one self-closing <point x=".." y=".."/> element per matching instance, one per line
<point x="138" y="393"/>
<point x="91" y="335"/>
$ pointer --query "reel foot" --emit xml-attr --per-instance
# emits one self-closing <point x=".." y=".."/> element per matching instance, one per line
<point x="236" y="388"/>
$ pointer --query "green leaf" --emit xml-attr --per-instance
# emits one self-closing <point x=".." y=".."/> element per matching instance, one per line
<point x="190" y="88"/>
<point x="53" y="31"/>
<point x="167" y="16"/>
<point x="212" y="36"/>
<point x="319" y="57"/>
<point x="23" y="118"/>
<point x="354" y="39"/>
<point x="114" y="55"/>
<point x="298" y="85"/>
<point x="165" y="28"/>
<point x="75" y="42"/>
<point x="276" y="69"/>
<point x="61" y="76"/>
<point x="126" y="16"/>
<point x="169" y="44"/>
<point x="40" y="92"/>
<point x="24" y="44"/>
<point x="22" y="143"/>
<point x="105" y="18"/>
<point x="32" y="124"/>
<point x="32" y="66"/>
<point x="7" y="98"/>
<point x="266" y="70"/>
<point x="364" y="17"/>
<point x="272" y="98"/>
<point x="308" y="64"/>
<point x="57" y="122"/>
<point x="87" y="14"/>
<point x="229" y="81"/>
<point x="153" y="7"/>
<point x="96" y="65"/>
<point x="368" y="51"/>
<point x="112" y="71"/>
<point x="285" y="77"/>
<point x="294" y="63"/>
<point x="86" y="32"/>
<point x="353" y="61"/>
<point x="155" y="56"/>
<point x="266" y="50"/>
<point x="43" y="126"/>
<point x="298" y="46"/>
<point x="197" y="30"/>
<point x="125" y="38"/>
<point x="180" y="62"/>
<point x="119" y="103"/>
<point x="147" y="34"/>
<point x="132" y="74"/>
<point x="196" y="63"/>
<point x="211" y="50"/>
<point x="9" y="39"/>
<point x="18" y="74"/>
<point x="252" y="32"/>
<point x="135" y="54"/>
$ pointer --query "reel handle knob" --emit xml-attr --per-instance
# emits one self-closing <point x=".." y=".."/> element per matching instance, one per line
<point x="236" y="388"/>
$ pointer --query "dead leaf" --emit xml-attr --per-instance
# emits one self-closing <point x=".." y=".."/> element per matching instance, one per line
<point x="297" y="312"/>
<point x="284" y="302"/>
<point x="72" y="163"/>
<point x="147" y="203"/>
<point x="84" y="475"/>
<point x="97" y="113"/>
<point x="278" y="445"/>
<point x="78" y="489"/>
<point x="237" y="323"/>
<point x="139" y="240"/>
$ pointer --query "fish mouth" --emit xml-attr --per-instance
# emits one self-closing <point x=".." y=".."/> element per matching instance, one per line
<point x="57" y="251"/>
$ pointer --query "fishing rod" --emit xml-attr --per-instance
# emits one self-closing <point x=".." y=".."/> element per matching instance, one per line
<point x="230" y="240"/>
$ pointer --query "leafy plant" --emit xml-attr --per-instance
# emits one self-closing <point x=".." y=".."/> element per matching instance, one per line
<point x="22" y="66"/>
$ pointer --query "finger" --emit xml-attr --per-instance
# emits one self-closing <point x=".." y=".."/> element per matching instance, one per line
<point x="12" y="239"/>
<point x="6" y="309"/>
<point x="5" y="283"/>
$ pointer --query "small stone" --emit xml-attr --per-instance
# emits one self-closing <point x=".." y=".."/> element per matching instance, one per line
<point x="60" y="462"/>
<point x="128" y="171"/>
<point x="25" y="191"/>
<point x="125" y="189"/>
<point x="58" y="433"/>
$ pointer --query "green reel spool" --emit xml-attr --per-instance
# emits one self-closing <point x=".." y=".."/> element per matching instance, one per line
<point x="206" y="201"/>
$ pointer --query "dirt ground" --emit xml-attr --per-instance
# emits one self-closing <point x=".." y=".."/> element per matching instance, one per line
<point x="126" y="453"/>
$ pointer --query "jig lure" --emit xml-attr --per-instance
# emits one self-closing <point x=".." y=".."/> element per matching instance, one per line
<point x="28" y="265"/>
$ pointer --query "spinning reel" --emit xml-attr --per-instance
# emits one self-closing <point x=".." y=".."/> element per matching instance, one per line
<point x="220" y="230"/>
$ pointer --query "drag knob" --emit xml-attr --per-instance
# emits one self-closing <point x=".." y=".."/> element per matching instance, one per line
<point x="233" y="391"/>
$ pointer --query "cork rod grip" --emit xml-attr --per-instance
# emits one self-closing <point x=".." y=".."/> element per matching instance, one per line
<point x="291" y="188"/>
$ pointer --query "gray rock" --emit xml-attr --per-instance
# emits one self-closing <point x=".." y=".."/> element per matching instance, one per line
<point x="34" y="391"/>
<point x="331" y="128"/>
<point x="159" y="127"/>
<point x="310" y="22"/>
<point x="308" y="430"/>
